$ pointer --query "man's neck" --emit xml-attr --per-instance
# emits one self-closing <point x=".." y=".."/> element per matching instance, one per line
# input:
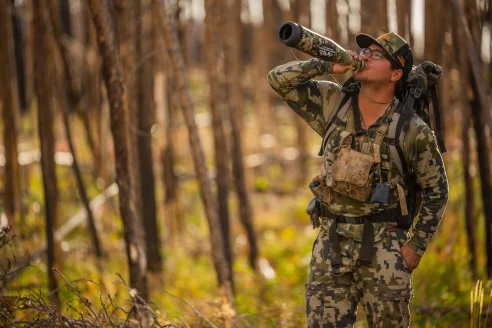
<point x="374" y="100"/>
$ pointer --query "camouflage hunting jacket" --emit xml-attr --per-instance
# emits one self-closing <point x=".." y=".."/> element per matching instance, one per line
<point x="315" y="101"/>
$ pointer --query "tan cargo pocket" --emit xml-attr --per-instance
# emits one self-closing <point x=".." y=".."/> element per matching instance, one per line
<point x="352" y="175"/>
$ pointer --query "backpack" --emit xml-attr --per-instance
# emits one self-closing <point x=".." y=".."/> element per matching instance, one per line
<point x="418" y="92"/>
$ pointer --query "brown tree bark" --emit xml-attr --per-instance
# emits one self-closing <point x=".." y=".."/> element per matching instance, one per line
<point x="433" y="31"/>
<point x="116" y="88"/>
<point x="146" y="119"/>
<point x="481" y="116"/>
<point x="173" y="210"/>
<point x="42" y="82"/>
<point x="404" y="18"/>
<point x="63" y="74"/>
<point x="304" y="18"/>
<point x="374" y="17"/>
<point x="232" y="71"/>
<point x="466" y="125"/>
<point x="332" y="27"/>
<point x="28" y="42"/>
<point x="217" y="244"/>
<point x="126" y="22"/>
<point x="9" y="104"/>
<point x="221" y="158"/>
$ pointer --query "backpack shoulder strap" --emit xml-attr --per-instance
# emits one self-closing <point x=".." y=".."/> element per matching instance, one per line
<point x="336" y="116"/>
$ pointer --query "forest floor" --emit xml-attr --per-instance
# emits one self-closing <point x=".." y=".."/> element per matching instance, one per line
<point x="273" y="298"/>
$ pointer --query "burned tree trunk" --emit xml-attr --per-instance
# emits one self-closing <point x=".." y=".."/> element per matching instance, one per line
<point x="42" y="82"/>
<point x="116" y="89"/>
<point x="221" y="162"/>
<point x="332" y="27"/>
<point x="9" y="105"/>
<point x="146" y="119"/>
<point x="481" y="116"/>
<point x="232" y="72"/>
<point x="217" y="244"/>
<point x="469" y="211"/>
<point x="126" y="20"/>
<point x="304" y="18"/>
<point x="64" y="75"/>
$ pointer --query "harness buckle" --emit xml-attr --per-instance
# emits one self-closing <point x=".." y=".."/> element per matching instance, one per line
<point x="417" y="92"/>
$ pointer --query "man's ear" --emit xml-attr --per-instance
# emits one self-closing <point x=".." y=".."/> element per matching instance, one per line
<point x="396" y="75"/>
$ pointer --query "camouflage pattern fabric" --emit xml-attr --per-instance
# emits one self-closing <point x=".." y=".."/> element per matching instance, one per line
<point x="383" y="288"/>
<point x="315" y="102"/>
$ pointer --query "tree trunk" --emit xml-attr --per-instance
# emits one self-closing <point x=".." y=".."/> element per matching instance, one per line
<point x="42" y="82"/>
<point x="126" y="18"/>
<point x="374" y="17"/>
<point x="232" y="72"/>
<point x="332" y="27"/>
<point x="221" y="158"/>
<point x="146" y="119"/>
<point x="481" y="114"/>
<point x="304" y="18"/>
<point x="16" y="28"/>
<point x="28" y="42"/>
<point x="116" y="89"/>
<point x="403" y="9"/>
<point x="433" y="31"/>
<point x="9" y="104"/>
<point x="173" y="211"/>
<point x="62" y="75"/>
<point x="466" y="125"/>
<point x="217" y="244"/>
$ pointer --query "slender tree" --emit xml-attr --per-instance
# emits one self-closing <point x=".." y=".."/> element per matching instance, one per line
<point x="146" y="119"/>
<point x="221" y="158"/>
<point x="331" y="18"/>
<point x="64" y="75"/>
<point x="217" y="244"/>
<point x="116" y="89"/>
<point x="304" y="18"/>
<point x="42" y="82"/>
<point x="230" y="27"/>
<point x="126" y="23"/>
<point x="481" y="115"/>
<point x="466" y="127"/>
<point x="9" y="104"/>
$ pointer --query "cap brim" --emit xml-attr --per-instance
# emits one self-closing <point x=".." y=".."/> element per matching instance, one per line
<point x="365" y="40"/>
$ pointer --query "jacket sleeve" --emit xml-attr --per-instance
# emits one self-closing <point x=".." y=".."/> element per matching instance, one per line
<point x="425" y="159"/>
<point x="312" y="100"/>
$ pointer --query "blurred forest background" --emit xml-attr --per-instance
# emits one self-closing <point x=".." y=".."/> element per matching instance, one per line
<point x="150" y="176"/>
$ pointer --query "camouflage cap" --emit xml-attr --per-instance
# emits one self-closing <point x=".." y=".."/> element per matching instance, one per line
<point x="395" y="46"/>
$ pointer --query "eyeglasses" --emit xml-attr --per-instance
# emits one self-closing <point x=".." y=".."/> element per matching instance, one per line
<point x="375" y="54"/>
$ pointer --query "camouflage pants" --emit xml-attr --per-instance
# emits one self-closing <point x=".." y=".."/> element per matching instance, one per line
<point x="383" y="288"/>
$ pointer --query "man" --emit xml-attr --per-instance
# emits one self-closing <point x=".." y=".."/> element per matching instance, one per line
<point x="364" y="252"/>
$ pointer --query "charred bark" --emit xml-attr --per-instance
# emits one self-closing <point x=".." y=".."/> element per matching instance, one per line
<point x="42" y="82"/>
<point x="232" y="72"/>
<point x="116" y="89"/>
<point x="332" y="27"/>
<point x="221" y="162"/>
<point x="62" y="96"/>
<point x="217" y="244"/>
<point x="146" y="119"/>
<point x="9" y="104"/>
<point x="481" y="116"/>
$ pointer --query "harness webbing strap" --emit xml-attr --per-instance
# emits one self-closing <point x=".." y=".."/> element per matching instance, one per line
<point x="339" y="114"/>
<point x="437" y="115"/>
<point x="392" y="146"/>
